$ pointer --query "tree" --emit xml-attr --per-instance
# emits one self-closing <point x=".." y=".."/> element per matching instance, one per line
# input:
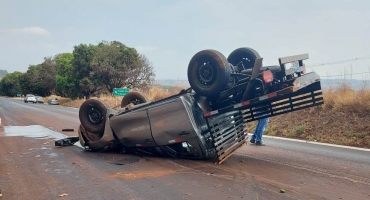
<point x="100" y="68"/>
<point x="116" y="65"/>
<point x="82" y="56"/>
<point x="40" y="79"/>
<point x="48" y="75"/>
<point x="89" y="70"/>
<point x="9" y="85"/>
<point x="142" y="75"/>
<point x="65" y="82"/>
<point x="29" y="80"/>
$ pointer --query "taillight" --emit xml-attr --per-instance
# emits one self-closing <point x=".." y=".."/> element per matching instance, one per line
<point x="207" y="114"/>
<point x="267" y="76"/>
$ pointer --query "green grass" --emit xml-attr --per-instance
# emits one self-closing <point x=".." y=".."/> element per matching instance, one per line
<point x="300" y="129"/>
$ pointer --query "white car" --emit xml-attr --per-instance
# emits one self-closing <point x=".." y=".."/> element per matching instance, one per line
<point x="30" y="98"/>
<point x="39" y="99"/>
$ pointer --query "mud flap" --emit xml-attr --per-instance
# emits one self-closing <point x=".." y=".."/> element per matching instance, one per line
<point x="228" y="134"/>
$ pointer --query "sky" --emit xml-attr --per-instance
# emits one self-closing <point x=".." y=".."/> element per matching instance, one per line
<point x="170" y="32"/>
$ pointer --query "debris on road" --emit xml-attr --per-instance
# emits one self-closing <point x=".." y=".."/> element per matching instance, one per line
<point x="282" y="191"/>
<point x="63" y="195"/>
<point x="68" y="130"/>
<point x="66" y="141"/>
<point x="124" y="161"/>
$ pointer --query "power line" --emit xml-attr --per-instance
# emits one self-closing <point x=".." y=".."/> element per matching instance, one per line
<point x="346" y="74"/>
<point x="338" y="62"/>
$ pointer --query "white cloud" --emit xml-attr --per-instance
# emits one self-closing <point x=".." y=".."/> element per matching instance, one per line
<point x="32" y="30"/>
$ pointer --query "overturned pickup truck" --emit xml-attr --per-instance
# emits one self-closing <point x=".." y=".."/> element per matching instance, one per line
<point x="207" y="120"/>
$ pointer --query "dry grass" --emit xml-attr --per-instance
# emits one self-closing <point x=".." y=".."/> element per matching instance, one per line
<point x="153" y="94"/>
<point x="344" y="118"/>
<point x="158" y="93"/>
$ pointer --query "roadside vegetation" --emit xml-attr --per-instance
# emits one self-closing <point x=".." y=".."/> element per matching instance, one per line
<point x="344" y="119"/>
<point x="90" y="70"/>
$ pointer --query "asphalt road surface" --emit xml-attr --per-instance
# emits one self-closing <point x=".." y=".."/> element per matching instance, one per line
<point x="32" y="168"/>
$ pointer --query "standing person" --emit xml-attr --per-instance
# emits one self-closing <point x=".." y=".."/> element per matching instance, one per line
<point x="258" y="132"/>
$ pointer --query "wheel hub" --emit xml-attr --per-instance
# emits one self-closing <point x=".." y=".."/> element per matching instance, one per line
<point x="136" y="101"/>
<point x="206" y="74"/>
<point x="95" y="116"/>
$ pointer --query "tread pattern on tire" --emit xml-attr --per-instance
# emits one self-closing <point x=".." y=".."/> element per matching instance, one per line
<point x="217" y="60"/>
<point x="130" y="96"/>
<point x="238" y="54"/>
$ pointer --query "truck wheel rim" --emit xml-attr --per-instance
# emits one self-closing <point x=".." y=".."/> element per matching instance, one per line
<point x="206" y="74"/>
<point x="135" y="101"/>
<point x="95" y="116"/>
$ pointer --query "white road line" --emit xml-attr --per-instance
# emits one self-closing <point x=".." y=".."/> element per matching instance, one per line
<point x="312" y="142"/>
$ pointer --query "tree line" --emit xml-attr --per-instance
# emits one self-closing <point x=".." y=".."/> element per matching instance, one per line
<point x="90" y="70"/>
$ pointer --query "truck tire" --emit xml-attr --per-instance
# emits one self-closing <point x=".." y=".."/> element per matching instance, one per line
<point x="208" y="73"/>
<point x="134" y="98"/>
<point x="92" y="116"/>
<point x="245" y="55"/>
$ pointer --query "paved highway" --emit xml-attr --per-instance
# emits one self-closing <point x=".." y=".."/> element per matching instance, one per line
<point x="32" y="168"/>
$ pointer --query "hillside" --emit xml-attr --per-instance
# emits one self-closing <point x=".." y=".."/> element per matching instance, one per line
<point x="344" y="119"/>
<point x="2" y="73"/>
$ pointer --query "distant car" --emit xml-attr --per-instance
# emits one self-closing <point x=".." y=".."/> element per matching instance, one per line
<point x="30" y="98"/>
<point x="53" y="101"/>
<point x="39" y="99"/>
